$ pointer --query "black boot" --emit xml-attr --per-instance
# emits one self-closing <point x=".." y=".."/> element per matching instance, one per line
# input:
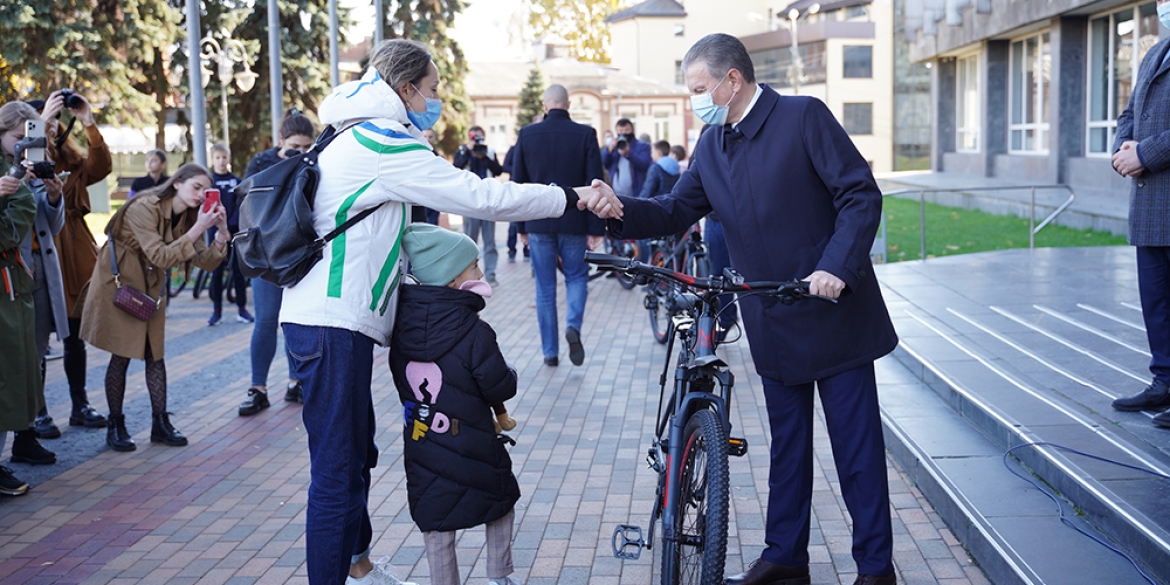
<point x="164" y="432"/>
<point x="26" y="449"/>
<point x="117" y="437"/>
<point x="84" y="415"/>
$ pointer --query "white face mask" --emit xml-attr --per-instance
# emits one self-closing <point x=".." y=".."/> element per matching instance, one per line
<point x="705" y="108"/>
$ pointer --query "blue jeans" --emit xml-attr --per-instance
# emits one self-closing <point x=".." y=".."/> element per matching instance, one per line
<point x="267" y="298"/>
<point x="474" y="228"/>
<point x="854" y="423"/>
<point x="1153" y="270"/>
<point x="718" y="258"/>
<point x="237" y="281"/>
<point x="545" y="250"/>
<point x="335" y="367"/>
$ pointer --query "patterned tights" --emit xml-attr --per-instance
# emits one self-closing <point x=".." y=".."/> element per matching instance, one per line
<point x="156" y="383"/>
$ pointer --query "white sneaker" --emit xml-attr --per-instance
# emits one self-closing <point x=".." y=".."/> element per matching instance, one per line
<point x="381" y="575"/>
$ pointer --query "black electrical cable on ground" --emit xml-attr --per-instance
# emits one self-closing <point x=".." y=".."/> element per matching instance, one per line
<point x="1060" y="507"/>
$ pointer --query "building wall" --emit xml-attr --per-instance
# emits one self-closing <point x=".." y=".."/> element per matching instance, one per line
<point x="663" y="118"/>
<point x="649" y="47"/>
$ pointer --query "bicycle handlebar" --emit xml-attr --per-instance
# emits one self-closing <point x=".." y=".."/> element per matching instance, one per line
<point x="791" y="288"/>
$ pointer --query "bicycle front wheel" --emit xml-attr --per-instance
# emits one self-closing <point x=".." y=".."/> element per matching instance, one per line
<point x="697" y="554"/>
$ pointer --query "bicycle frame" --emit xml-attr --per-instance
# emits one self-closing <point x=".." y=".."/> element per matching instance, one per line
<point x="702" y="382"/>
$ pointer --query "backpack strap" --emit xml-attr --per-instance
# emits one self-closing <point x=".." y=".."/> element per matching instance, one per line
<point x="322" y="141"/>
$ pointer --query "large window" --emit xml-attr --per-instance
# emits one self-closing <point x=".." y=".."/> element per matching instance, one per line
<point x="1117" y="43"/>
<point x="967" y="113"/>
<point x="858" y="119"/>
<point x="1030" y="75"/>
<point x="772" y="65"/>
<point x="858" y="61"/>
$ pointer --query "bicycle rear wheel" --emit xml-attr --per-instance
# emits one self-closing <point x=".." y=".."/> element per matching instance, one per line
<point x="176" y="282"/>
<point x="202" y="281"/>
<point x="697" y="554"/>
<point x="657" y="292"/>
<point x="660" y="323"/>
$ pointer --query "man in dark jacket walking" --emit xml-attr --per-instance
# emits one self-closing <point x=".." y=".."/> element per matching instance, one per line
<point x="812" y="218"/>
<point x="559" y="151"/>
<point x="1142" y="151"/>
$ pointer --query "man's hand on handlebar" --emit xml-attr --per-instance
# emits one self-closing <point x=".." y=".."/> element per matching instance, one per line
<point x="824" y="284"/>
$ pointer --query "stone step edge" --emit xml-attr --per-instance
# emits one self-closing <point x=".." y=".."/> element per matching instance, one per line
<point x="995" y="555"/>
<point x="1126" y="526"/>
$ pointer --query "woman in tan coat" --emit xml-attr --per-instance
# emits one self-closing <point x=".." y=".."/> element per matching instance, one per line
<point x="159" y="229"/>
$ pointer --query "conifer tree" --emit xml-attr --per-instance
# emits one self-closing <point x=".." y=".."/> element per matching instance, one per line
<point x="531" y="98"/>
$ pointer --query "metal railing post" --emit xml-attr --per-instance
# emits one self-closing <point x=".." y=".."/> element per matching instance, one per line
<point x="922" y="225"/>
<point x="1032" y="222"/>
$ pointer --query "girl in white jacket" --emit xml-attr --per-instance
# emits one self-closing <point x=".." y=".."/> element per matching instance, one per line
<point x="346" y="304"/>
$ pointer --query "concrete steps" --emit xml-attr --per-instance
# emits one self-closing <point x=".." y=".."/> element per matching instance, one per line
<point x="1007" y="348"/>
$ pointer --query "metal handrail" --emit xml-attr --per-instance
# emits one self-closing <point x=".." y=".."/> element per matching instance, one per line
<point x="1033" y="228"/>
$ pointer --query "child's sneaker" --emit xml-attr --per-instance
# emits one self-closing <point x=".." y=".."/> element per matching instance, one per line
<point x="215" y="318"/>
<point x="245" y="316"/>
<point x="9" y="484"/>
<point x="381" y="575"/>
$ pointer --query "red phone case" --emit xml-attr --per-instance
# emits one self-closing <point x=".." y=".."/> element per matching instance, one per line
<point x="210" y="198"/>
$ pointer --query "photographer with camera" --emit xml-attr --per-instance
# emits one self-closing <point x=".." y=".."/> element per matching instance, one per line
<point x="24" y="203"/>
<point x="477" y="157"/>
<point x="627" y="159"/>
<point x="75" y="248"/>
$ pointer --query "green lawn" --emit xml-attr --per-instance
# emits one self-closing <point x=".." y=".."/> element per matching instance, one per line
<point x="953" y="230"/>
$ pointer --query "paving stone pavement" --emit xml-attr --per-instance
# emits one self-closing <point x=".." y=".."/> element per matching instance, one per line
<point x="230" y="507"/>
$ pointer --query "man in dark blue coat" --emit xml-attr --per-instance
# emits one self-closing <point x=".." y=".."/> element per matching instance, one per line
<point x="797" y="201"/>
<point x="559" y="151"/>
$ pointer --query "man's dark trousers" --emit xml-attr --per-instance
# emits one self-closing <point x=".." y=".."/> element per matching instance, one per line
<point x="850" y="403"/>
<point x="1153" y="268"/>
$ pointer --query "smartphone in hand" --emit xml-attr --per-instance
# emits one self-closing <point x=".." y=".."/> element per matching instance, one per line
<point x="210" y="198"/>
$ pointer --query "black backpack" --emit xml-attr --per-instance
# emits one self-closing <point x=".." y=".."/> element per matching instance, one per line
<point x="276" y="240"/>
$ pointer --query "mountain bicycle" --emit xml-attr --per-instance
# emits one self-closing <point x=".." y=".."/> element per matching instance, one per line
<point x="692" y="434"/>
<point x="686" y="253"/>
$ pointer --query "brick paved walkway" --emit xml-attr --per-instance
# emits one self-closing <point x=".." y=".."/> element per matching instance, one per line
<point x="230" y="507"/>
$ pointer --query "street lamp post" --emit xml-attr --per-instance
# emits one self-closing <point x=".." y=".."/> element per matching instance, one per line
<point x="224" y="58"/>
<point x="796" y="68"/>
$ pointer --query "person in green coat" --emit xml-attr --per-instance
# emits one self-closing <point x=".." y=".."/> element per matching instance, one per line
<point x="20" y="378"/>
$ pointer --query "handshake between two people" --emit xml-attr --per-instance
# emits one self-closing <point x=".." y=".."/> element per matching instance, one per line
<point x="600" y="199"/>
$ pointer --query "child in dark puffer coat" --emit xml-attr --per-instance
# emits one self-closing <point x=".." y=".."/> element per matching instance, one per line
<point x="449" y="369"/>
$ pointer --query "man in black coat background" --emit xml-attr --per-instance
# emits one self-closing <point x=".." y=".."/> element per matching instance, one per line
<point x="797" y="201"/>
<point x="559" y="151"/>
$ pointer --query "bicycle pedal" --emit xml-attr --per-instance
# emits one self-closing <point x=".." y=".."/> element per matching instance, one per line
<point x="737" y="447"/>
<point x="627" y="542"/>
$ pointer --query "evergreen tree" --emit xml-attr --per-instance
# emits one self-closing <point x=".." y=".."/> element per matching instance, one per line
<point x="531" y="98"/>
<point x="111" y="51"/>
<point x="581" y="23"/>
<point x="427" y="21"/>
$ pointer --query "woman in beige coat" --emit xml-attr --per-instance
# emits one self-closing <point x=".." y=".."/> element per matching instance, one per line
<point x="159" y="229"/>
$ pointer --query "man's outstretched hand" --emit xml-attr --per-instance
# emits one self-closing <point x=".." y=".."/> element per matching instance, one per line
<point x="600" y="199"/>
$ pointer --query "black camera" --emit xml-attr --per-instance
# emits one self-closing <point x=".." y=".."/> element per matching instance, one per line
<point x="72" y="100"/>
<point x="624" y="140"/>
<point x="479" y="147"/>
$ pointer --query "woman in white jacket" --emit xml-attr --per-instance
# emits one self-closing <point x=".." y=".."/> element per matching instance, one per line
<point x="346" y="304"/>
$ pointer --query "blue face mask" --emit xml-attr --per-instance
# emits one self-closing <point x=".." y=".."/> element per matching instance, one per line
<point x="705" y="108"/>
<point x="1164" y="14"/>
<point x="428" y="118"/>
